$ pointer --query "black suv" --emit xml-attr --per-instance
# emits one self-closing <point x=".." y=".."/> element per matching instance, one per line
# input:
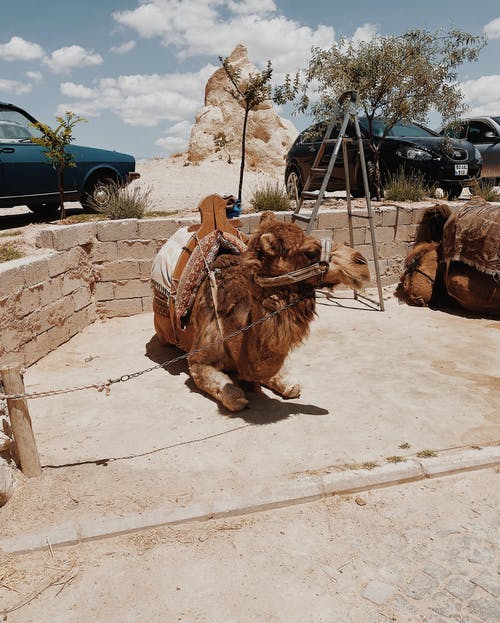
<point x="450" y="165"/>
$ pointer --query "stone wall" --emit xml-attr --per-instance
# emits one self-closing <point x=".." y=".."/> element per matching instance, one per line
<point x="102" y="269"/>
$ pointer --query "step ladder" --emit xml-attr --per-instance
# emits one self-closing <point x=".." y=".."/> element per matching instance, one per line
<point x="346" y="111"/>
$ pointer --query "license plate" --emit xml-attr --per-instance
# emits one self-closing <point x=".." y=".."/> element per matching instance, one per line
<point x="461" y="169"/>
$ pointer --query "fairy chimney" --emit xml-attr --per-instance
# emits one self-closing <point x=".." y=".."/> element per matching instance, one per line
<point x="217" y="131"/>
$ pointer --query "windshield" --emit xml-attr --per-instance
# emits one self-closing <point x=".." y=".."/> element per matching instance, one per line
<point x="15" y="127"/>
<point x="408" y="130"/>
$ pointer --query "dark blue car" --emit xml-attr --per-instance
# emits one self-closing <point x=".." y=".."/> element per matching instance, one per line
<point x="28" y="178"/>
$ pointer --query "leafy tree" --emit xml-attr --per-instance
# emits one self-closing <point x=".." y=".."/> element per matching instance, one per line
<point x="399" y="78"/>
<point x="252" y="91"/>
<point x="55" y="140"/>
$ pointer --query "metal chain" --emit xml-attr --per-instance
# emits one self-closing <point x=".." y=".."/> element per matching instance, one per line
<point x="106" y="386"/>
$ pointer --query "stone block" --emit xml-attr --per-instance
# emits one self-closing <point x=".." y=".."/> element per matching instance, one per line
<point x="51" y="290"/>
<point x="11" y="278"/>
<point x="145" y="268"/>
<point x="51" y="315"/>
<point x="417" y="214"/>
<point x="119" y="269"/>
<point x="35" y="270"/>
<point x="405" y="216"/>
<point x="117" y="230"/>
<point x="147" y="303"/>
<point x="104" y="291"/>
<point x="188" y="220"/>
<point x="29" y="300"/>
<point x="57" y="263"/>
<point x="72" y="282"/>
<point x="103" y="252"/>
<point x="378" y="592"/>
<point x="156" y="228"/>
<point x="136" y="249"/>
<point x="81" y="298"/>
<point x="393" y="249"/>
<point x="389" y="216"/>
<point x="132" y="288"/>
<point x="321" y="234"/>
<point x="70" y="236"/>
<point x="122" y="307"/>
<point x="333" y="219"/>
<point x="44" y="238"/>
<point x="382" y="234"/>
<point x="250" y="223"/>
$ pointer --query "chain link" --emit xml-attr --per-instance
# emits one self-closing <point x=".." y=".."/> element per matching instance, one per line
<point x="106" y="385"/>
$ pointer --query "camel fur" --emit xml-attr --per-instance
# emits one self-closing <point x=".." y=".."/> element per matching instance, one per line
<point x="432" y="275"/>
<point x="257" y="354"/>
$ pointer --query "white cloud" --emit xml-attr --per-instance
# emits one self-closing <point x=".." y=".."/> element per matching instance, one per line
<point x="63" y="60"/>
<point x="215" y="27"/>
<point x="482" y="95"/>
<point x="34" y="75"/>
<point x="492" y="29"/>
<point x="13" y="86"/>
<point x="123" y="48"/>
<point x="18" y="49"/>
<point x="141" y="100"/>
<point x="177" y="137"/>
<point x="366" y="32"/>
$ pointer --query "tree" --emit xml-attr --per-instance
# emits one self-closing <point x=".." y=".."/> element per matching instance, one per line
<point x="398" y="78"/>
<point x="55" y="141"/>
<point x="252" y="91"/>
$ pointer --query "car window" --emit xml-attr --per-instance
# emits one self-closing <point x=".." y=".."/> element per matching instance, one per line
<point x="15" y="127"/>
<point x="458" y="131"/>
<point x="476" y="132"/>
<point x="314" y="134"/>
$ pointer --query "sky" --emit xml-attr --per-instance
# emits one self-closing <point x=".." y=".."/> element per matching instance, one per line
<point x="137" y="69"/>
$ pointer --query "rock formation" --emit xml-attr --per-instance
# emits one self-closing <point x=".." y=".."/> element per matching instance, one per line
<point x="217" y="131"/>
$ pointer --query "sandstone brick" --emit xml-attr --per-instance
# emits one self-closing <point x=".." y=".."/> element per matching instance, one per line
<point x="70" y="236"/>
<point x="132" y="289"/>
<point x="122" y="307"/>
<point x="333" y="219"/>
<point x="136" y="249"/>
<point x="117" y="230"/>
<point x="11" y="278"/>
<point x="188" y="220"/>
<point x="44" y="238"/>
<point x="145" y="268"/>
<point x="72" y="282"/>
<point x="104" y="251"/>
<point x="81" y="298"/>
<point x="320" y="234"/>
<point x="51" y="290"/>
<point x="392" y="249"/>
<point x="29" y="300"/>
<point x="250" y="223"/>
<point x="49" y="316"/>
<point x="382" y="234"/>
<point x="35" y="270"/>
<point x="119" y="269"/>
<point x="156" y="228"/>
<point x="389" y="216"/>
<point x="57" y="263"/>
<point x="104" y="291"/>
<point x="147" y="303"/>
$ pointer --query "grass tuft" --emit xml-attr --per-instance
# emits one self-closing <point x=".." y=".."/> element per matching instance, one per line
<point x="426" y="454"/>
<point x="402" y="186"/>
<point x="270" y="195"/>
<point x="125" y="202"/>
<point x="9" y="252"/>
<point x="395" y="459"/>
<point x="486" y="190"/>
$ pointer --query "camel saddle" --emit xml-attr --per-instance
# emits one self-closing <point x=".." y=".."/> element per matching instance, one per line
<point x="472" y="235"/>
<point x="183" y="263"/>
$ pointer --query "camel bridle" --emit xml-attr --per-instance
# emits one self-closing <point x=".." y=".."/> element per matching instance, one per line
<point x="301" y="274"/>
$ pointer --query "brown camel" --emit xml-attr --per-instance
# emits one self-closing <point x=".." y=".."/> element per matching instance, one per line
<point x="259" y="289"/>
<point x="461" y="266"/>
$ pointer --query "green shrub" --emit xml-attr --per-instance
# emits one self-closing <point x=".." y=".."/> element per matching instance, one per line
<point x="8" y="252"/>
<point x="270" y="195"/>
<point x="124" y="201"/>
<point x="486" y="190"/>
<point x="402" y="186"/>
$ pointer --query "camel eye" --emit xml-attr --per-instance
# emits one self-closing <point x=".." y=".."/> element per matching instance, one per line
<point x="312" y="254"/>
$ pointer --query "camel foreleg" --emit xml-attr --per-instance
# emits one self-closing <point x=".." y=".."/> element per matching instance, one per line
<point x="218" y="385"/>
<point x="283" y="386"/>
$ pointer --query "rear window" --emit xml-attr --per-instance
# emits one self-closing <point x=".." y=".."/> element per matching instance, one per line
<point x="408" y="130"/>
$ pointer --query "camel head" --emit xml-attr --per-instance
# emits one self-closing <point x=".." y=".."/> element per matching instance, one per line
<point x="281" y="254"/>
<point x="417" y="281"/>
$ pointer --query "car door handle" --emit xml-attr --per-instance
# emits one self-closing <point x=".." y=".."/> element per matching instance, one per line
<point x="7" y="150"/>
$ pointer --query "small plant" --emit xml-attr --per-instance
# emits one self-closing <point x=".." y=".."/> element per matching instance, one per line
<point x="124" y="201"/>
<point x="404" y="446"/>
<point x="271" y="195"/>
<point x="11" y="234"/>
<point x="486" y="190"/>
<point x="221" y="142"/>
<point x="401" y="186"/>
<point x="55" y="141"/>
<point x="426" y="454"/>
<point x="395" y="459"/>
<point x="9" y="252"/>
<point x="369" y="465"/>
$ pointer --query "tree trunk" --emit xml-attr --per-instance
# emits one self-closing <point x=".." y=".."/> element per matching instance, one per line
<point x="243" y="140"/>
<point x="60" y="185"/>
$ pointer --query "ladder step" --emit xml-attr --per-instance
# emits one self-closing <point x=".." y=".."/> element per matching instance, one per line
<point x="318" y="171"/>
<point x="301" y="217"/>
<point x="307" y="194"/>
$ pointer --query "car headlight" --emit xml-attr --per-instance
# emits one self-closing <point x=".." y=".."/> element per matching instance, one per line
<point x="413" y="153"/>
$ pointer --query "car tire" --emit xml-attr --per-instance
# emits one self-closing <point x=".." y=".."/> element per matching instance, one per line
<point x="293" y="183"/>
<point x="49" y="211"/>
<point x="453" y="191"/>
<point x="97" y="193"/>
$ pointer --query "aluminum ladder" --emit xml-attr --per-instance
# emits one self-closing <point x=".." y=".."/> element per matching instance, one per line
<point x="347" y="110"/>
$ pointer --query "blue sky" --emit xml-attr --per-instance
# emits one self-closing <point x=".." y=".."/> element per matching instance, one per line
<point x="137" y="69"/>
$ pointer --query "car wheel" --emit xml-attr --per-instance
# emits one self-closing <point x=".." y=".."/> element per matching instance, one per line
<point x="453" y="191"/>
<point x="293" y="183"/>
<point x="48" y="211"/>
<point x="97" y="194"/>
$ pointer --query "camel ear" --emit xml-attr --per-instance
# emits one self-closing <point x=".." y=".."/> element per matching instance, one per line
<point x="270" y="244"/>
<point x="267" y="218"/>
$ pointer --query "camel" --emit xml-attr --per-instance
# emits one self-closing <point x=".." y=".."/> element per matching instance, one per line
<point x="461" y="265"/>
<point x="254" y="307"/>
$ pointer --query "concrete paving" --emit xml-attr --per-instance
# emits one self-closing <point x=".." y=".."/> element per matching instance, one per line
<point x="378" y="388"/>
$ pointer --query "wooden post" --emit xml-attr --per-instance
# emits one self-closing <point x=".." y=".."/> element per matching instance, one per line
<point x="20" y="421"/>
